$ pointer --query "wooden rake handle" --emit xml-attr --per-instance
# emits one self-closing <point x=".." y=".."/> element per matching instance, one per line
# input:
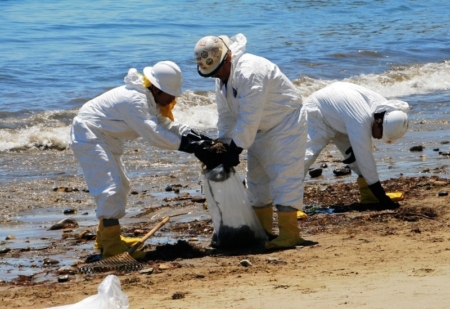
<point x="148" y="235"/>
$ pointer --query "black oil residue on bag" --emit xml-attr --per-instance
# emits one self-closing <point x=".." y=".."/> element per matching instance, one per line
<point x="231" y="237"/>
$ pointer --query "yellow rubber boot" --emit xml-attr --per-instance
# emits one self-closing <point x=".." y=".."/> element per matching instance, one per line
<point x="128" y="241"/>
<point x="113" y="245"/>
<point x="265" y="217"/>
<point x="366" y="195"/>
<point x="289" y="235"/>
<point x="98" y="241"/>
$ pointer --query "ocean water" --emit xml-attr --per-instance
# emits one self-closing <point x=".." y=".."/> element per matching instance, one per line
<point x="56" y="55"/>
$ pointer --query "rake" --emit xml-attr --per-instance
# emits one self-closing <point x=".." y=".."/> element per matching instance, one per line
<point x="123" y="261"/>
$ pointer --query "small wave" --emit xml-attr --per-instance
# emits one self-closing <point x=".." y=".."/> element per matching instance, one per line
<point x="409" y="80"/>
<point x="39" y="136"/>
<point x="50" y="129"/>
<point x="25" y="118"/>
<point x="399" y="81"/>
<point x="197" y="109"/>
<point x="41" y="130"/>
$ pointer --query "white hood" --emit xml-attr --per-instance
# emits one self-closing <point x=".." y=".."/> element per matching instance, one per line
<point x="389" y="106"/>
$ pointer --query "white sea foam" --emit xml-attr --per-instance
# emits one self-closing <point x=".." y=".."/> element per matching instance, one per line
<point x="43" y="130"/>
<point x="198" y="109"/>
<point x="34" y="137"/>
<point x="412" y="80"/>
<point x="397" y="82"/>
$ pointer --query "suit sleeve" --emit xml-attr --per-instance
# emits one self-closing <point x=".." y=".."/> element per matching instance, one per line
<point x="160" y="131"/>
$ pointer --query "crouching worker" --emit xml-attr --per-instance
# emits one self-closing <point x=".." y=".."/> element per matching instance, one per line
<point x="259" y="110"/>
<point x="140" y="108"/>
<point x="350" y="115"/>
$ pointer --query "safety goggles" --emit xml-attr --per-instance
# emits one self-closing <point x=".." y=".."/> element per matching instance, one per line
<point x="220" y="64"/>
<point x="216" y="69"/>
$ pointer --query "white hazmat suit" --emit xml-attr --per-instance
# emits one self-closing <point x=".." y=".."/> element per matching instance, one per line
<point x="98" y="134"/>
<point x="260" y="111"/>
<point x="344" y="113"/>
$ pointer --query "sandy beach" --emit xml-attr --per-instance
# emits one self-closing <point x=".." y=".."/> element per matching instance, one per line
<point x="355" y="259"/>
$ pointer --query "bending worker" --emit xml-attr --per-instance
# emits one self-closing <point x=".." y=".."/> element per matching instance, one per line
<point x="350" y="115"/>
<point x="259" y="110"/>
<point x="141" y="107"/>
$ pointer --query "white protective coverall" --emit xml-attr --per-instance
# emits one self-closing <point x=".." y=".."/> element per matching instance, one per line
<point x="98" y="134"/>
<point x="260" y="111"/>
<point x="343" y="113"/>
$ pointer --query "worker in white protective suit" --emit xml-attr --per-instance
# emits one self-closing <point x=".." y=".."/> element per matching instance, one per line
<point x="141" y="107"/>
<point x="259" y="110"/>
<point x="350" y="115"/>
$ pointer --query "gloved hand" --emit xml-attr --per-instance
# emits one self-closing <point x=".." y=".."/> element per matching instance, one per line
<point x="209" y="156"/>
<point x="384" y="200"/>
<point x="231" y="157"/>
<point x="202" y="136"/>
<point x="192" y="141"/>
<point x="351" y="158"/>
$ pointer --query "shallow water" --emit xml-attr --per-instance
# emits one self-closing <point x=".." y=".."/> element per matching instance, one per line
<point x="30" y="226"/>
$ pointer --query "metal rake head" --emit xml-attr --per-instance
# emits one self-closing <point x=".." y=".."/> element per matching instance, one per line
<point x="121" y="262"/>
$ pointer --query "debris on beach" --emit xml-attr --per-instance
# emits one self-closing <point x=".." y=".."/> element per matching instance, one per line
<point x="65" y="224"/>
<point x="170" y="252"/>
<point x="416" y="148"/>
<point x="443" y="193"/>
<point x="319" y="198"/>
<point x="65" y="189"/>
<point x="316" y="172"/>
<point x="70" y="211"/>
<point x="49" y="261"/>
<point x="63" y="278"/>
<point x="342" y="171"/>
<point x="4" y="250"/>
<point x="245" y="263"/>
<point x="87" y="235"/>
<point x="179" y="295"/>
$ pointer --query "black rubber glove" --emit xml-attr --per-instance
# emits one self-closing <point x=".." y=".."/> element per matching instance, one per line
<point x="209" y="156"/>
<point x="202" y="136"/>
<point x="192" y="141"/>
<point x="379" y="193"/>
<point x="351" y="158"/>
<point x="231" y="157"/>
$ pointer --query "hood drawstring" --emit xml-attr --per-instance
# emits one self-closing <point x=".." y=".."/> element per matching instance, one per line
<point x="166" y="111"/>
<point x="146" y="82"/>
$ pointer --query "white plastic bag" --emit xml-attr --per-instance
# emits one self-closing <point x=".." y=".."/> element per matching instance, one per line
<point x="235" y="223"/>
<point x="110" y="296"/>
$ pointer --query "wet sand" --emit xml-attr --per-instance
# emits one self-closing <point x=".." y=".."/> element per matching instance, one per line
<point x="38" y="186"/>
<point x="375" y="259"/>
<point x="359" y="250"/>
